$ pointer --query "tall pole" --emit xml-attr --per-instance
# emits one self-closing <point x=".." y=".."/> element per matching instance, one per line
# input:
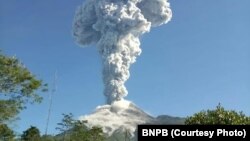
<point x="50" y="101"/>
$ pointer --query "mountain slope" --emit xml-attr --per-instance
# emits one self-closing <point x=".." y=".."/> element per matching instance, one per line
<point x="124" y="116"/>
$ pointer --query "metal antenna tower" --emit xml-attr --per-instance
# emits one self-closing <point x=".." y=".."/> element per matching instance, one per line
<point x="50" y="101"/>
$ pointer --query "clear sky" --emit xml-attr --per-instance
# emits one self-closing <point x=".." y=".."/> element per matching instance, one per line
<point x="199" y="59"/>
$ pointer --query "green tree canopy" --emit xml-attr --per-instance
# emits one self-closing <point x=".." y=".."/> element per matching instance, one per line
<point x="76" y="130"/>
<point x="31" y="134"/>
<point x="18" y="86"/>
<point x="218" y="116"/>
<point x="6" y="133"/>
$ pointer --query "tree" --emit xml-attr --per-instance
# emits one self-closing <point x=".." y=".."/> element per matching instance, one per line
<point x="66" y="124"/>
<point x="47" y="138"/>
<point x="6" y="134"/>
<point x="218" y="116"/>
<point x="79" y="131"/>
<point x="95" y="134"/>
<point x="31" y="134"/>
<point x="76" y="130"/>
<point x="18" y="86"/>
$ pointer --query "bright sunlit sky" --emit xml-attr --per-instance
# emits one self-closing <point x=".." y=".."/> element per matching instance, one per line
<point x="199" y="59"/>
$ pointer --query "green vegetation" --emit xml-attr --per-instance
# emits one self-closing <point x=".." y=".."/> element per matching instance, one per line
<point x="6" y="133"/>
<point x="218" y="116"/>
<point x="48" y="138"/>
<point x="75" y="130"/>
<point x="18" y="86"/>
<point x="66" y="124"/>
<point x="31" y="134"/>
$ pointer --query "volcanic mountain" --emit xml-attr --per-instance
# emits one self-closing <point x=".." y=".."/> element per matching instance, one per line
<point x="123" y="116"/>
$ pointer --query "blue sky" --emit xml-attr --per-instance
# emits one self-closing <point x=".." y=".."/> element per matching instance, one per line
<point x="199" y="59"/>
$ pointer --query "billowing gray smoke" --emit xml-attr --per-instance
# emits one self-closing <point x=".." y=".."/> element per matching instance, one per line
<point x="116" y="25"/>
